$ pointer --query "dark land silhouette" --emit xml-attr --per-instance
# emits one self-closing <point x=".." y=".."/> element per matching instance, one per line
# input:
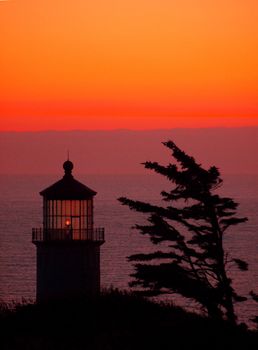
<point x="116" y="320"/>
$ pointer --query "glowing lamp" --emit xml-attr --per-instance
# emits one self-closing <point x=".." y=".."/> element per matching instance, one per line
<point x="67" y="222"/>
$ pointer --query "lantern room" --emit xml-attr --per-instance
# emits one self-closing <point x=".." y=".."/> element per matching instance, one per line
<point x="68" y="210"/>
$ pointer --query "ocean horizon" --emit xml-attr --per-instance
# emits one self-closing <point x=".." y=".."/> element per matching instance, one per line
<point x="21" y="209"/>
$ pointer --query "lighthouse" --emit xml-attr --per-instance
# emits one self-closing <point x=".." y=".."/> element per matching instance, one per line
<point x="68" y="244"/>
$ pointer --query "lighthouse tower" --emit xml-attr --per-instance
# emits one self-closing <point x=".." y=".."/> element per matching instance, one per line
<point x="68" y="245"/>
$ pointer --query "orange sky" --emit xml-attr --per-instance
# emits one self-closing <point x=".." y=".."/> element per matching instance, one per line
<point x="137" y="64"/>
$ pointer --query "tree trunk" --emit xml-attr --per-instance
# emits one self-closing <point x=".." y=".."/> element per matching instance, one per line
<point x="226" y="289"/>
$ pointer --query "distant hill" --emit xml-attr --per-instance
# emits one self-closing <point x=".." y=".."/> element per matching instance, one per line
<point x="233" y="150"/>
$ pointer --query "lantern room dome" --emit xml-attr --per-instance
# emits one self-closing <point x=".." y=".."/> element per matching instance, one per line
<point x="68" y="187"/>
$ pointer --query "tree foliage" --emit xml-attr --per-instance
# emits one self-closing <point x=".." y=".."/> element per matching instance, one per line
<point x="192" y="224"/>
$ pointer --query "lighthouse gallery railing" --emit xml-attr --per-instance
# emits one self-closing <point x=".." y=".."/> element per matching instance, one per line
<point x="42" y="235"/>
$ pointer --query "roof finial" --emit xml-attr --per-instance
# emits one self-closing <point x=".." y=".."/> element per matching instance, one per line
<point x="68" y="167"/>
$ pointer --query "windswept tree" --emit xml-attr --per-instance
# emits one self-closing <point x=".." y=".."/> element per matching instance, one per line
<point x="192" y="225"/>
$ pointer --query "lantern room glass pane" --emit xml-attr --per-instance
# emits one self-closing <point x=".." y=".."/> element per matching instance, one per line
<point x="59" y="207"/>
<point x="89" y="208"/>
<point x="59" y="222"/>
<point x="67" y="205"/>
<point x="52" y="208"/>
<point x="82" y="208"/>
<point x="73" y="214"/>
<point x="75" y="208"/>
<point x="49" y="208"/>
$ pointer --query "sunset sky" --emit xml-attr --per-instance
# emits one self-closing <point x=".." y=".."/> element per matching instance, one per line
<point x="136" y="64"/>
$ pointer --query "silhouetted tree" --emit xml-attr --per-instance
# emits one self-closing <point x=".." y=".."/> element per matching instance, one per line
<point x="193" y="224"/>
<point x="255" y="298"/>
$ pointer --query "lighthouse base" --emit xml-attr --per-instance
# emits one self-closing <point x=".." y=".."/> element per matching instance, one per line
<point x="67" y="270"/>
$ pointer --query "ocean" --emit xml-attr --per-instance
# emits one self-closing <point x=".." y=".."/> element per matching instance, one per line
<point x="21" y="209"/>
